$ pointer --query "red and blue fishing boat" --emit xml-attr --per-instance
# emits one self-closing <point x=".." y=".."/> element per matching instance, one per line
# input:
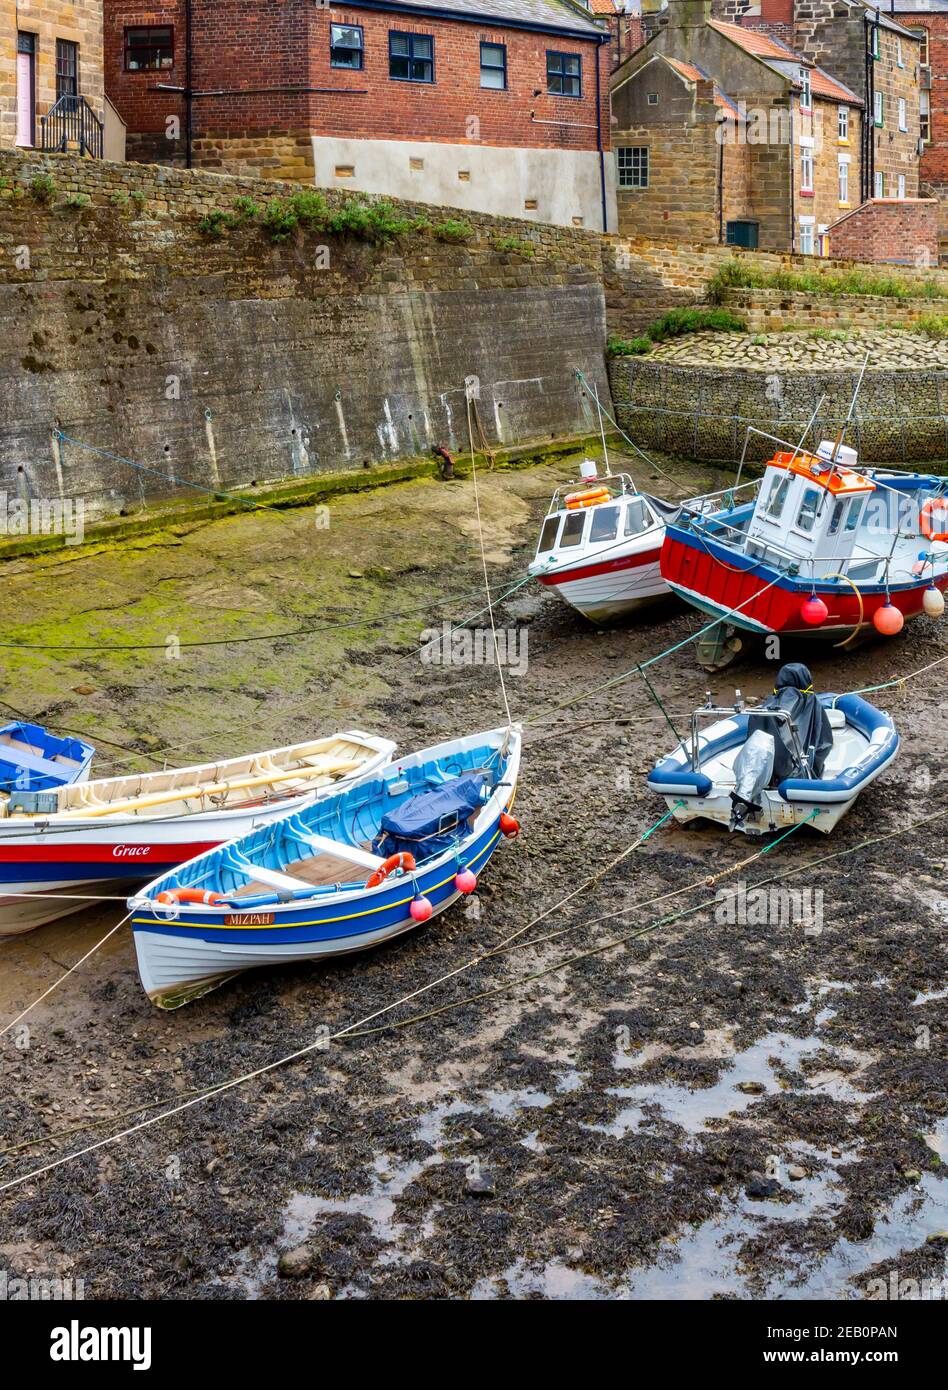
<point x="819" y="546"/>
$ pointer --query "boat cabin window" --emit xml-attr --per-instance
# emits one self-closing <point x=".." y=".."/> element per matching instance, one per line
<point x="638" y="517"/>
<point x="605" y="524"/>
<point x="839" y="506"/>
<point x="778" y="495"/>
<point x="808" y="508"/>
<point x="572" y="529"/>
<point x="548" y="534"/>
<point x="855" y="512"/>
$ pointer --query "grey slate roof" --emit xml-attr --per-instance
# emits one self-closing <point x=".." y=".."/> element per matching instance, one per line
<point x="546" y="14"/>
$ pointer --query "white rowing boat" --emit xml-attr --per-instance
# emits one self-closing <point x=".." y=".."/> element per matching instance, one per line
<point x="92" y="839"/>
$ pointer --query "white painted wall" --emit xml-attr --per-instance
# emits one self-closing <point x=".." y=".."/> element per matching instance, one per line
<point x="565" y="184"/>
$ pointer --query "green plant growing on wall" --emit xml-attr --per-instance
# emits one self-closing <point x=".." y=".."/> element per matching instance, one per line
<point x="453" y="229"/>
<point x="519" y="245"/>
<point x="216" y="224"/>
<point x="78" y="201"/>
<point x="246" y="209"/>
<point x="279" y="219"/>
<point x="119" y="198"/>
<point x="617" y="346"/>
<point x="735" y="274"/>
<point x="679" y="321"/>
<point x="933" y="326"/>
<point x="42" y="188"/>
<point x="139" y="199"/>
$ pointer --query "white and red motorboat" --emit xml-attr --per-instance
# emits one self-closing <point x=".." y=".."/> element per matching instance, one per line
<point x="60" y="849"/>
<point x="600" y="546"/>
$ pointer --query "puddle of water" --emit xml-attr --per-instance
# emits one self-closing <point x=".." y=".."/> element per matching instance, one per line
<point x="692" y="1109"/>
<point x="928" y="996"/>
<point x="554" y="1281"/>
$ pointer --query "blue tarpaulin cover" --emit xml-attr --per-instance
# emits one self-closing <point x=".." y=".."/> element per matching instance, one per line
<point x="426" y="822"/>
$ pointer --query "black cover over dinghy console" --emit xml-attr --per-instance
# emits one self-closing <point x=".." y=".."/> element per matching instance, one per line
<point x="800" y="744"/>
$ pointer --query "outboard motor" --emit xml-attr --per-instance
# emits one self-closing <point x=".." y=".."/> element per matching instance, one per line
<point x="753" y="771"/>
<point x="793" y="692"/>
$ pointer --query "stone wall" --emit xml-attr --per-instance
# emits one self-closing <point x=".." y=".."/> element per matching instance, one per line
<point x="703" y="411"/>
<point x="645" y="277"/>
<point x="775" y="311"/>
<point x="228" y="361"/>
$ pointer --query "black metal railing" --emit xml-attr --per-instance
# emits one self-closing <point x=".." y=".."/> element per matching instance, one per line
<point x="72" y="124"/>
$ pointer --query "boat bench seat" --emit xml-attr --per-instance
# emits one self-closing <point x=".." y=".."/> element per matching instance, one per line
<point x="282" y="882"/>
<point x="322" y="844"/>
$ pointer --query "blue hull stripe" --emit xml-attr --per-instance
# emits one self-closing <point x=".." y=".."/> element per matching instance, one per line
<point x="389" y="911"/>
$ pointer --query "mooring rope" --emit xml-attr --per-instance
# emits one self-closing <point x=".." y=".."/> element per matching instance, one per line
<point x="56" y="983"/>
<point x="480" y="534"/>
<point x="350" y="1030"/>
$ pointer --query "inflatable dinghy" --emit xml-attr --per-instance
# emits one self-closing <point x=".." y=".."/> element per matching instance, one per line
<point x="769" y="766"/>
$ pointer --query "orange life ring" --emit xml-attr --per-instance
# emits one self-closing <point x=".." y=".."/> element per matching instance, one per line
<point x="588" y="498"/>
<point x="939" y="504"/>
<point x="191" y="895"/>
<point x="394" y="861"/>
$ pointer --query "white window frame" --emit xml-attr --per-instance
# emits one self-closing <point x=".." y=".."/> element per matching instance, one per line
<point x="842" y="123"/>
<point x="903" y="121"/>
<point x="632" y="169"/>
<point x="806" y="171"/>
<point x="878" y="186"/>
<point x="878" y="109"/>
<point x="843" y="187"/>
<point x="806" y="94"/>
<point x="901" y="186"/>
<point x="807" y="233"/>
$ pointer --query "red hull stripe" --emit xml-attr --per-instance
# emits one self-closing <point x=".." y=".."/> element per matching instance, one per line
<point x="101" y="854"/>
<point x="625" y="562"/>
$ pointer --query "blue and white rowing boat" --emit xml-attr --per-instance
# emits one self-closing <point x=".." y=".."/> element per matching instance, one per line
<point x="345" y="873"/>
<point x="796" y="757"/>
<point x="34" y="760"/>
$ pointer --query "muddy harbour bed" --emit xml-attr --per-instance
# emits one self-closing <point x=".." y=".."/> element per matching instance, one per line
<point x="725" y="1107"/>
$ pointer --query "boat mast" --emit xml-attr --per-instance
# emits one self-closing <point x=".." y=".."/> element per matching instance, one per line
<point x="852" y="407"/>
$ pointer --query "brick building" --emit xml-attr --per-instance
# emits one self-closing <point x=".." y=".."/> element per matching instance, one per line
<point x="496" y="105"/>
<point x="927" y="20"/>
<point x="723" y="134"/>
<point x="50" y="53"/>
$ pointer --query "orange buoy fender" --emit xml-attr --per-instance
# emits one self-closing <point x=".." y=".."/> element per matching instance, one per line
<point x="393" y="862"/>
<point x="509" y="825"/>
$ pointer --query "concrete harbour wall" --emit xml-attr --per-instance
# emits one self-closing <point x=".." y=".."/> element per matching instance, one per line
<point x="232" y="360"/>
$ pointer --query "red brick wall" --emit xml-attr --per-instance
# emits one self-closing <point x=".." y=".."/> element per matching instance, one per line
<point x="934" y="162"/>
<point x="888" y="229"/>
<point x="249" y="44"/>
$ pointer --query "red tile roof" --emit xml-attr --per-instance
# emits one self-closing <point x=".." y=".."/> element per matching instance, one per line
<point x="761" y="45"/>
<point x="693" y="74"/>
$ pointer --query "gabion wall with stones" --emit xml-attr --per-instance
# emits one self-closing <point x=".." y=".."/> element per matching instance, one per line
<point x="703" y="412"/>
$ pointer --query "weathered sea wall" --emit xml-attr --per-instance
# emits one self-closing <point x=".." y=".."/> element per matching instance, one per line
<point x="232" y="359"/>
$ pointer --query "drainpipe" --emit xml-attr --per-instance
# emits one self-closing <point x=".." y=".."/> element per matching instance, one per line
<point x="189" y="84"/>
<point x="793" y="175"/>
<point x="868" y="116"/>
<point x="721" y="190"/>
<point x="602" y="157"/>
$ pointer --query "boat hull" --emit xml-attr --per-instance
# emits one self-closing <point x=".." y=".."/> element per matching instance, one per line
<point x="757" y="598"/>
<point x="608" y="589"/>
<point x="183" y="952"/>
<point x="97" y="857"/>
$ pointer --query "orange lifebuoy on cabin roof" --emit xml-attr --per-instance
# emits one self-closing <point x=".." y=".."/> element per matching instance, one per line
<point x="393" y="862"/>
<point x="939" y="504"/>
<point x="587" y="498"/>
